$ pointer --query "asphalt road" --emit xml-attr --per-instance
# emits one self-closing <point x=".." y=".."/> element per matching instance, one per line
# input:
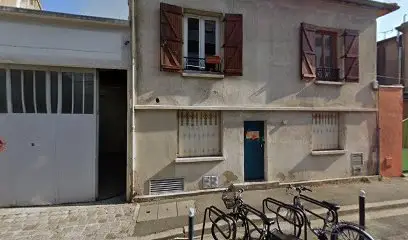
<point x="389" y="228"/>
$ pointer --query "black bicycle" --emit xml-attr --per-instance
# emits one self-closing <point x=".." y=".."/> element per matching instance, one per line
<point x="331" y="225"/>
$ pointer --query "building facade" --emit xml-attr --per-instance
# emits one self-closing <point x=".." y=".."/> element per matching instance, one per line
<point x="241" y="91"/>
<point x="29" y="4"/>
<point x="63" y="108"/>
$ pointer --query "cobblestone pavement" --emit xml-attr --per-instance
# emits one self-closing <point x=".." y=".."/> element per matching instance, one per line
<point x="68" y="222"/>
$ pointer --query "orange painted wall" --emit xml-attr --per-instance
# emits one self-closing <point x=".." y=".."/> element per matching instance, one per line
<point x="390" y="111"/>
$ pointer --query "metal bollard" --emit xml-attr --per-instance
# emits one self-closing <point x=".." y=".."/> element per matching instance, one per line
<point x="191" y="214"/>
<point x="361" y="205"/>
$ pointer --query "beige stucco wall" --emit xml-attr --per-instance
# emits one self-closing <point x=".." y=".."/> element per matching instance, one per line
<point x="287" y="153"/>
<point x="270" y="54"/>
<point x="23" y="3"/>
<point x="271" y="78"/>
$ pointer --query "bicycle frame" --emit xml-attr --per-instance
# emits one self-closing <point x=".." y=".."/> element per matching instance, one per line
<point x="334" y="221"/>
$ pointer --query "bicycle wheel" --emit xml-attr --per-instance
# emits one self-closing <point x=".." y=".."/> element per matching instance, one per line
<point x="223" y="230"/>
<point x="288" y="222"/>
<point x="349" y="232"/>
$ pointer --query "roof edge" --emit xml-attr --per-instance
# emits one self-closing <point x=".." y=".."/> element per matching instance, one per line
<point x="41" y="14"/>
<point x="382" y="8"/>
<point x="387" y="39"/>
<point x="402" y="27"/>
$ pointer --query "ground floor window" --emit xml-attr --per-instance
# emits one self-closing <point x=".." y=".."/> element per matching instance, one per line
<point x="199" y="133"/>
<point x="326" y="131"/>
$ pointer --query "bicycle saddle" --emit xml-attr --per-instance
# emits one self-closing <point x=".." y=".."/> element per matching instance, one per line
<point x="331" y="205"/>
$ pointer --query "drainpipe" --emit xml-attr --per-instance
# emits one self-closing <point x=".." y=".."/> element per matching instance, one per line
<point x="132" y="93"/>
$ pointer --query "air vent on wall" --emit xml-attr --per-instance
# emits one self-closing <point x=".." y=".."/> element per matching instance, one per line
<point x="169" y="185"/>
<point x="356" y="163"/>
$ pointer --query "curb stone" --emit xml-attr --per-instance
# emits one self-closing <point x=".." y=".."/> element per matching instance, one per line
<point x="255" y="186"/>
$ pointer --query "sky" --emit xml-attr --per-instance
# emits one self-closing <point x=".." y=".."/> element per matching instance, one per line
<point x="119" y="9"/>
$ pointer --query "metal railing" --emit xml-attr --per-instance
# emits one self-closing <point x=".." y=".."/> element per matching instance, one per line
<point x="327" y="74"/>
<point x="200" y="64"/>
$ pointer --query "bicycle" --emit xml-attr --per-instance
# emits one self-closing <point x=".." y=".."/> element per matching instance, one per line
<point x="331" y="224"/>
<point x="232" y="199"/>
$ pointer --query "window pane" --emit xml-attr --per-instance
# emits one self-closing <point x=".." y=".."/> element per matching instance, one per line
<point x="28" y="91"/>
<point x="193" y="37"/>
<point x="209" y="38"/>
<point x="328" y="42"/>
<point x="66" y="93"/>
<point x="3" y="91"/>
<point x="40" y="92"/>
<point x="89" y="93"/>
<point x="78" y="93"/>
<point x="54" y="92"/>
<point x="16" y="91"/>
<point x="319" y="51"/>
<point x="193" y="44"/>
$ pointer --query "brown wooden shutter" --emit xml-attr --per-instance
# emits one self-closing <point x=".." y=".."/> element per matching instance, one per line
<point x="308" y="53"/>
<point x="233" y="45"/>
<point x="171" y="35"/>
<point x="351" y="65"/>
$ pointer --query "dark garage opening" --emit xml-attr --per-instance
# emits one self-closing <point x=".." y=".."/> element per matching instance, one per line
<point x="112" y="134"/>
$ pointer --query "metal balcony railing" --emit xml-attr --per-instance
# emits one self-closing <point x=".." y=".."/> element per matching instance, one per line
<point x="200" y="64"/>
<point x="327" y="74"/>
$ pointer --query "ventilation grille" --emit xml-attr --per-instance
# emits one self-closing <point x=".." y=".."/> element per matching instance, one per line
<point x="356" y="164"/>
<point x="169" y="185"/>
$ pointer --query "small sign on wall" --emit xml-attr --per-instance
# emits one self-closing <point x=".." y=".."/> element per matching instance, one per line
<point x="253" y="135"/>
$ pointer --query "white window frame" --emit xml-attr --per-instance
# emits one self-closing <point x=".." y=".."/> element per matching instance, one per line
<point x="201" y="34"/>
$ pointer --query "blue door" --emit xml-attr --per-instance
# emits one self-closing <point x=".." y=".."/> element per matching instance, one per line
<point x="254" y="150"/>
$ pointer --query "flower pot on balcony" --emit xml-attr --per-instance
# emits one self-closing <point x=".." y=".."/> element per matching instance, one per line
<point x="213" y="59"/>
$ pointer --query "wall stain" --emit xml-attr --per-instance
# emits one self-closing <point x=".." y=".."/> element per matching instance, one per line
<point x="230" y="177"/>
<point x="281" y="177"/>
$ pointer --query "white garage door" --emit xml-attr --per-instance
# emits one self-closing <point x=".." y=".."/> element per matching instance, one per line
<point x="47" y="136"/>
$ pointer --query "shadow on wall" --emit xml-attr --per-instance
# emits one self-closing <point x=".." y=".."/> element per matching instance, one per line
<point x="309" y="164"/>
<point x="156" y="123"/>
<point x="196" y="90"/>
<point x="371" y="162"/>
<point x="366" y="96"/>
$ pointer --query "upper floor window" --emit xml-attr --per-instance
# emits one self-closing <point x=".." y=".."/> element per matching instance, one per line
<point x="326" y="58"/>
<point x="191" y="42"/>
<point x="201" y="44"/>
<point x="319" y="58"/>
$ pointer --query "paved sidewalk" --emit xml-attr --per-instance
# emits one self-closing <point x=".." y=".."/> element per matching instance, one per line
<point x="125" y="221"/>
<point x="68" y="222"/>
<point x="151" y="220"/>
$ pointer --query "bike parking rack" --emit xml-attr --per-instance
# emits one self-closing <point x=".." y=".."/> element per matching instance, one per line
<point x="333" y="213"/>
<point x="298" y="220"/>
<point x="213" y="211"/>
<point x="265" y="220"/>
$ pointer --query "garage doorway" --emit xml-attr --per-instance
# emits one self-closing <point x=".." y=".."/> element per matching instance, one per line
<point x="112" y="134"/>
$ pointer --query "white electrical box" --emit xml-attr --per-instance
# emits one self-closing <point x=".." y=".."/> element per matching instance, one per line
<point x="210" y="182"/>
